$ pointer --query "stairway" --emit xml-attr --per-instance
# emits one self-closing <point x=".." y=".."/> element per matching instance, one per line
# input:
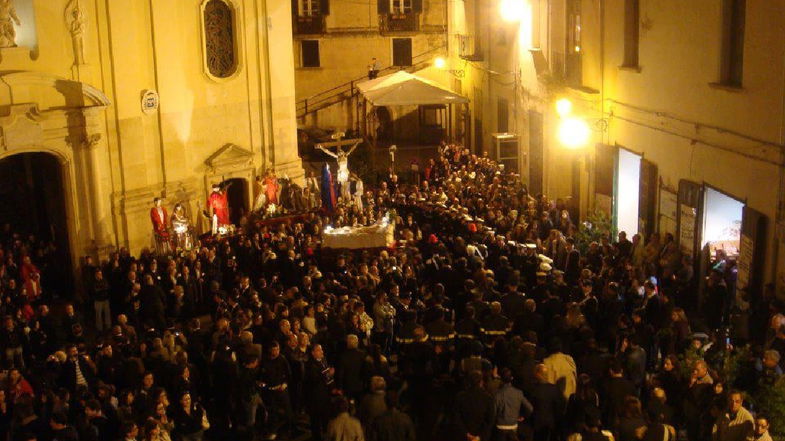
<point x="348" y="90"/>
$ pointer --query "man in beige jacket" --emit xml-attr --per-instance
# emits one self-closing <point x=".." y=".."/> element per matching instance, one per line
<point x="561" y="369"/>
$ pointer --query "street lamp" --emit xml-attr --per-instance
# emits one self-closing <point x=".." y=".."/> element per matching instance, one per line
<point x="441" y="64"/>
<point x="512" y="10"/>
<point x="574" y="132"/>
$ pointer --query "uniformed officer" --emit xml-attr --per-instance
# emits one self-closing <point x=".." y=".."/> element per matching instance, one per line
<point x="495" y="324"/>
<point x="405" y="334"/>
<point x="442" y="333"/>
<point x="467" y="330"/>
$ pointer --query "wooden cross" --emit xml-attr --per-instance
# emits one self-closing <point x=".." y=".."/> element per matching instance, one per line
<point x="339" y="142"/>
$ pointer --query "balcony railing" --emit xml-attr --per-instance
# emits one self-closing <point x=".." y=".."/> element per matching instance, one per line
<point x="406" y="22"/>
<point x="469" y="48"/>
<point x="313" y="24"/>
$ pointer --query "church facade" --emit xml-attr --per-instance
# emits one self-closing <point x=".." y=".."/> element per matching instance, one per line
<point x="139" y="99"/>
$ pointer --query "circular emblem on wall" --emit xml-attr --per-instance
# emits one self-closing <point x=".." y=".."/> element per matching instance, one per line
<point x="149" y="101"/>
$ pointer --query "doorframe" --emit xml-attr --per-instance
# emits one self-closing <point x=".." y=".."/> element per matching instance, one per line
<point x="68" y="184"/>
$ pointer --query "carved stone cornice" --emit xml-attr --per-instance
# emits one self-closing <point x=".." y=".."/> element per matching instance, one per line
<point x="22" y="127"/>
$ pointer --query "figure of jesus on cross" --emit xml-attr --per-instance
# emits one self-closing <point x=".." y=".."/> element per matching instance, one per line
<point x="342" y="157"/>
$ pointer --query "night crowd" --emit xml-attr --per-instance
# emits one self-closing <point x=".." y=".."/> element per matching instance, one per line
<point x="490" y="319"/>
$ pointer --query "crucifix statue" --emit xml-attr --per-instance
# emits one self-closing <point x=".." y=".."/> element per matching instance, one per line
<point x="342" y="157"/>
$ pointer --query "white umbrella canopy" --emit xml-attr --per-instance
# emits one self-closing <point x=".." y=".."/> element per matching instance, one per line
<point x="405" y="89"/>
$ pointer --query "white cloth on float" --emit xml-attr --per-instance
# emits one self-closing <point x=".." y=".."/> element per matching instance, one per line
<point x="374" y="236"/>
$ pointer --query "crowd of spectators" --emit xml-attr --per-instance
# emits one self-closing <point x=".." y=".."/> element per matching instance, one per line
<point x="485" y="321"/>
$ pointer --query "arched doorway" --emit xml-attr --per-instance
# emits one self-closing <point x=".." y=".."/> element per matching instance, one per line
<point x="32" y="203"/>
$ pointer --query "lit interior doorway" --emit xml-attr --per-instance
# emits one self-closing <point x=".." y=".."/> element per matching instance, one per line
<point x="721" y="225"/>
<point x="237" y="195"/>
<point x="32" y="202"/>
<point x="628" y="175"/>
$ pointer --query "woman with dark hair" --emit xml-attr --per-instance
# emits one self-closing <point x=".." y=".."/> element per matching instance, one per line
<point x="584" y="404"/>
<point x="190" y="420"/>
<point x="668" y="377"/>
<point x="152" y="431"/>
<point x="125" y="409"/>
<point x="165" y="423"/>
<point x="632" y="424"/>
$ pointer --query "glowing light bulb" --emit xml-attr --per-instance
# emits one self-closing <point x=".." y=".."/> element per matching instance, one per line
<point x="439" y="63"/>
<point x="574" y="133"/>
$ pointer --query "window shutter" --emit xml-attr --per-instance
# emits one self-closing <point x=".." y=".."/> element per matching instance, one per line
<point x="295" y="8"/>
<point x="325" y="7"/>
<point x="417" y="5"/>
<point x="383" y="6"/>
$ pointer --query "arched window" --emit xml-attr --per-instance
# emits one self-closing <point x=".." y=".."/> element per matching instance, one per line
<point x="219" y="39"/>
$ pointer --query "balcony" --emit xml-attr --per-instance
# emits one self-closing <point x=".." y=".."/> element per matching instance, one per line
<point x="313" y="24"/>
<point x="405" y="22"/>
<point x="469" y="48"/>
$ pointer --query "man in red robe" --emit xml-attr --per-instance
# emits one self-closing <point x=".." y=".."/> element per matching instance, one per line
<point x="271" y="187"/>
<point x="218" y="205"/>
<point x="160" y="218"/>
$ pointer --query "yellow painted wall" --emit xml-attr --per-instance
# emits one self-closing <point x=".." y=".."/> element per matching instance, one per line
<point x="351" y="39"/>
<point x="680" y="45"/>
<point x="135" y="45"/>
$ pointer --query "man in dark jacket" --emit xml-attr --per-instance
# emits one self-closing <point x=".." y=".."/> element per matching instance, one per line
<point x="572" y="268"/>
<point x="97" y="427"/>
<point x="392" y="425"/>
<point x="78" y="370"/>
<point x="275" y="374"/>
<point x="350" y="369"/>
<point x="318" y="384"/>
<point x="474" y="411"/>
<point x="549" y="405"/>
<point x="616" y="389"/>
<point x="99" y="292"/>
<point x="513" y="301"/>
<point x="152" y="303"/>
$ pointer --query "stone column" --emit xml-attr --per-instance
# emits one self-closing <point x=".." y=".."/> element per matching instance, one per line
<point x="280" y="82"/>
<point x="93" y="161"/>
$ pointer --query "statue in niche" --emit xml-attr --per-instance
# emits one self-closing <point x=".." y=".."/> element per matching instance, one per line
<point x="7" y="19"/>
<point x="78" y="27"/>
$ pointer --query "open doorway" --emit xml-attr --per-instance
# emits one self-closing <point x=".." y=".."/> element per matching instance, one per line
<point x="32" y="202"/>
<point x="721" y="228"/>
<point x="628" y="175"/>
<point x="237" y="195"/>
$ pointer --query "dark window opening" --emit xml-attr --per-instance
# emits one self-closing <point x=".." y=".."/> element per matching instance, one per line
<point x="734" y="14"/>
<point x="402" y="51"/>
<point x="310" y="53"/>
<point x="631" y="32"/>
<point x="502" y="116"/>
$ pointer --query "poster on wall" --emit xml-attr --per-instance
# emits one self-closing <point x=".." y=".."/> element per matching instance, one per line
<point x="744" y="262"/>
<point x="687" y="229"/>
<point x="668" y="204"/>
<point x="603" y="203"/>
<point x="667" y="211"/>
